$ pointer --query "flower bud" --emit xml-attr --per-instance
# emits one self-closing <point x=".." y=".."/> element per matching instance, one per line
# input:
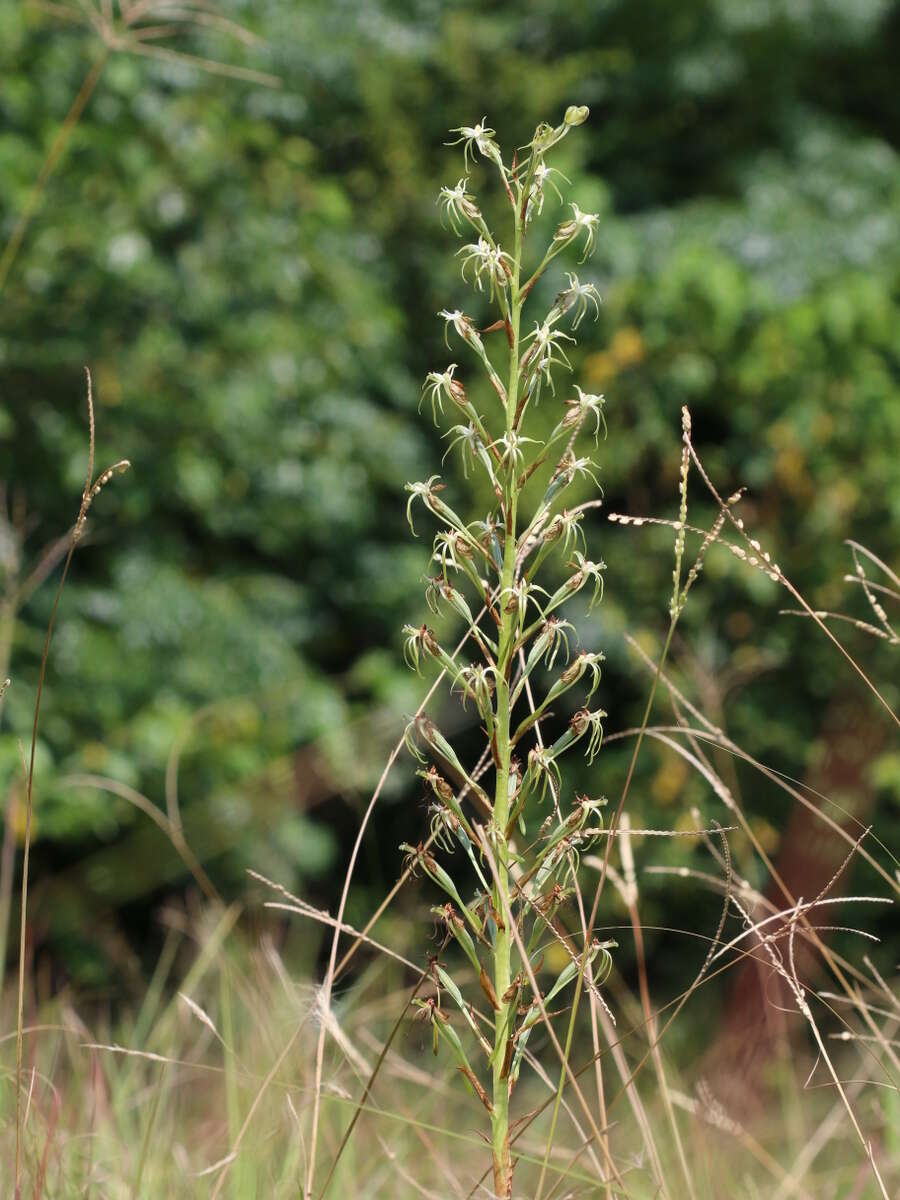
<point x="577" y="114"/>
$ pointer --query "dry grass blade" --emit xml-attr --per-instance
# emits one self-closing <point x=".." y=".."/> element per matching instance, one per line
<point x="599" y="1010"/>
<point x="773" y="568"/>
<point x="871" y="590"/>
<point x="229" y="1160"/>
<point x="171" y="830"/>
<point x="713" y="735"/>
<point x="201" y="1015"/>
<point x="370" y="1082"/>
<point x="789" y="974"/>
<point x="314" y="914"/>
<point x="630" y="896"/>
<point x="125" y="31"/>
<point x="57" y="149"/>
<point x="328" y="982"/>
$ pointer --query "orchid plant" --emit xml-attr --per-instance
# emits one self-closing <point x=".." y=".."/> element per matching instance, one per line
<point x="486" y="572"/>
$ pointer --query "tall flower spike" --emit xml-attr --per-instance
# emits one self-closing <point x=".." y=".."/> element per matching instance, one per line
<point x="515" y="634"/>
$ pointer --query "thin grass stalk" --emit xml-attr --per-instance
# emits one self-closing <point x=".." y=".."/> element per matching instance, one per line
<point x="561" y="1054"/>
<point x="631" y="891"/>
<point x="158" y="1089"/>
<point x="370" y="1083"/>
<point x="113" y="36"/>
<point x="594" y="1007"/>
<point x="29" y="790"/>
<point x="251" y="1112"/>
<point x="92" y="488"/>
<point x="7" y="869"/>
<point x="615" y="1045"/>
<point x="567" y="1050"/>
<point x="738" y="525"/>
<point x="232" y="1095"/>
<point x="627" y="1088"/>
<point x="328" y="982"/>
<point x="57" y="149"/>
<point x="16" y="595"/>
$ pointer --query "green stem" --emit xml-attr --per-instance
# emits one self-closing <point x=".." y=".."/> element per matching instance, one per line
<point x="506" y="647"/>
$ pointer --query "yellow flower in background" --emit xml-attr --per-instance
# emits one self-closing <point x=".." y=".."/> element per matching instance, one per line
<point x="625" y="350"/>
<point x="668" y="782"/>
<point x="627" y="346"/>
<point x="17" y="817"/>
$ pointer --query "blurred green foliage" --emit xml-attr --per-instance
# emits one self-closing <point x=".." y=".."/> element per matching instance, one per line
<point x="252" y="275"/>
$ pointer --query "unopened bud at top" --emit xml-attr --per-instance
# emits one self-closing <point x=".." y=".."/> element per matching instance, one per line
<point x="577" y="114"/>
